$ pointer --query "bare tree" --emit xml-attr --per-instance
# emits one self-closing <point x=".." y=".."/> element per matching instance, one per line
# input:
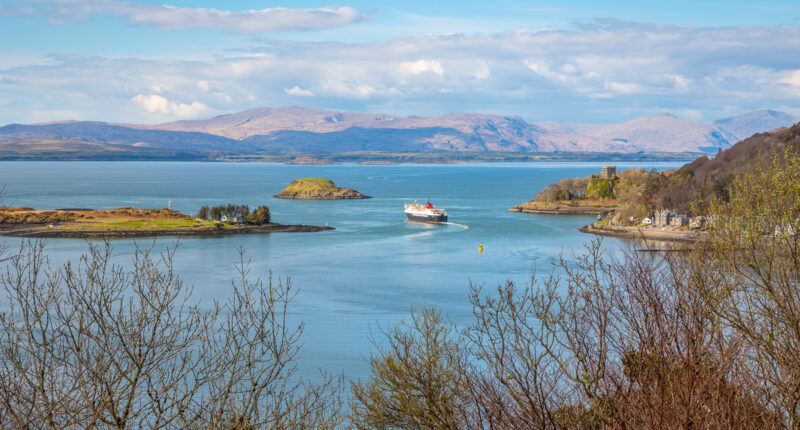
<point x="95" y="345"/>
<point x="516" y="382"/>
<point x="754" y="246"/>
<point x="3" y="246"/>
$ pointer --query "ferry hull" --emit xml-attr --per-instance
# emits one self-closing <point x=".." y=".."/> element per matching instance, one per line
<point x="427" y="218"/>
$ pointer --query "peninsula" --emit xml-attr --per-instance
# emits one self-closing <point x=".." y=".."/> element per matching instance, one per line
<point x="662" y="205"/>
<point x="127" y="222"/>
<point x="318" y="189"/>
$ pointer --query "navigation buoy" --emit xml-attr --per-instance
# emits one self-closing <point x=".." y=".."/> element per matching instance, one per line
<point x="480" y="248"/>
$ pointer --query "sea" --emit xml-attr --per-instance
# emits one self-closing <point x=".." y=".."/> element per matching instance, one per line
<point x="356" y="280"/>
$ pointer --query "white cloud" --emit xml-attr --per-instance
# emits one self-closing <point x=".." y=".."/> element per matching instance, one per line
<point x="792" y="78"/>
<point x="172" y="17"/>
<point x="624" y="87"/>
<point x="422" y="66"/>
<point x="568" y="69"/>
<point x="224" y="97"/>
<point x="155" y="103"/>
<point x="681" y="83"/>
<point x="606" y="72"/>
<point x="545" y="71"/>
<point x="482" y="71"/>
<point x="297" y="91"/>
<point x="348" y="90"/>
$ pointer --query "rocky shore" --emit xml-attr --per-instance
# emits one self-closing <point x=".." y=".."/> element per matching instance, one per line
<point x="560" y="209"/>
<point x="318" y="189"/>
<point x="125" y="222"/>
<point x="654" y="233"/>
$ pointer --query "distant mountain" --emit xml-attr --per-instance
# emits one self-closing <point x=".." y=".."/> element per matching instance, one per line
<point x="289" y="127"/>
<point x="713" y="176"/>
<point x="743" y="126"/>
<point x="70" y="150"/>
<point x="296" y="129"/>
<point x="100" y="132"/>
<point x="657" y="133"/>
<point x="332" y="131"/>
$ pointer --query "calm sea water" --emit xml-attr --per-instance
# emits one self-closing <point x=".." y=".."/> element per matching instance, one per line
<point x="368" y="272"/>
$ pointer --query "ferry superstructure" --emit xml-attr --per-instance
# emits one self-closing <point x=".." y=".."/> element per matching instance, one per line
<point x="425" y="213"/>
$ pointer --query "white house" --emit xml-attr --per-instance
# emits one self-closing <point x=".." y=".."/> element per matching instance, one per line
<point x="234" y="217"/>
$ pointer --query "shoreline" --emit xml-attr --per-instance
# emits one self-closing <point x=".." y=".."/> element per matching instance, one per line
<point x="42" y="231"/>
<point x="641" y="233"/>
<point x="564" y="210"/>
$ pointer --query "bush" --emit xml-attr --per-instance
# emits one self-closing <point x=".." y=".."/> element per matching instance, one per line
<point x="259" y="216"/>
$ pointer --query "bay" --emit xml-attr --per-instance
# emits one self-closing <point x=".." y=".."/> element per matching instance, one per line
<point x="368" y="272"/>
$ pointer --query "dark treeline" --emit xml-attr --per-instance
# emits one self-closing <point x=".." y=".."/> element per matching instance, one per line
<point x="259" y="216"/>
<point x="703" y="338"/>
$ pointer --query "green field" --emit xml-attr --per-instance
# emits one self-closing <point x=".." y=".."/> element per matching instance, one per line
<point x="157" y="224"/>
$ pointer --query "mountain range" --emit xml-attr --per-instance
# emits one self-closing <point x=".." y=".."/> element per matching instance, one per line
<point x="296" y="129"/>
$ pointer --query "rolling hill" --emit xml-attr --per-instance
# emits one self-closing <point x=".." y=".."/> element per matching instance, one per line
<point x="296" y="129"/>
<point x="713" y="176"/>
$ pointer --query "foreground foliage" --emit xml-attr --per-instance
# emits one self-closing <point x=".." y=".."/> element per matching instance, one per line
<point x="698" y="337"/>
<point x="94" y="345"/>
<point x="703" y="337"/>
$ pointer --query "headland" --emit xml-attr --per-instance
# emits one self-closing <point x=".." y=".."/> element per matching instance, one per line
<point x="125" y="222"/>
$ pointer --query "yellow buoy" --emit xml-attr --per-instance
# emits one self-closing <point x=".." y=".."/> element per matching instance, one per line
<point x="480" y="248"/>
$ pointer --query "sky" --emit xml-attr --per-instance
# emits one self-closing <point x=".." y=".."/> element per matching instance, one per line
<point x="571" y="61"/>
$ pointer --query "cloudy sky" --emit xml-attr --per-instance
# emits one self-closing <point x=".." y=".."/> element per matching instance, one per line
<point x="571" y="60"/>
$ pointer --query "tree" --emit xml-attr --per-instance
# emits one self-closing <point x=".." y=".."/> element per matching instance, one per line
<point x="753" y="248"/>
<point x="202" y="213"/>
<point x="418" y="380"/>
<point x="259" y="216"/>
<point x="3" y="246"/>
<point x="215" y="212"/>
<point x="91" y="344"/>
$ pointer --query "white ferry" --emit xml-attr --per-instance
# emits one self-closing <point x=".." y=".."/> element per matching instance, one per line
<point x="425" y="213"/>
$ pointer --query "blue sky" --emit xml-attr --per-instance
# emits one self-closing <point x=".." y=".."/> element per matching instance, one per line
<point x="576" y="61"/>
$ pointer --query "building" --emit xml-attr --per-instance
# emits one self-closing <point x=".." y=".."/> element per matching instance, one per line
<point x="697" y="222"/>
<point x="679" y="221"/>
<point x="233" y="217"/>
<point x="608" y="172"/>
<point x="663" y="218"/>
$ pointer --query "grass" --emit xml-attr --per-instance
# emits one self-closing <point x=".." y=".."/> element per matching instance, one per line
<point x="155" y="224"/>
<point x="325" y="182"/>
<point x="109" y="220"/>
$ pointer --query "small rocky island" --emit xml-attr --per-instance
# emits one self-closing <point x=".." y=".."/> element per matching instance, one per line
<point x="318" y="189"/>
<point x="132" y="222"/>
